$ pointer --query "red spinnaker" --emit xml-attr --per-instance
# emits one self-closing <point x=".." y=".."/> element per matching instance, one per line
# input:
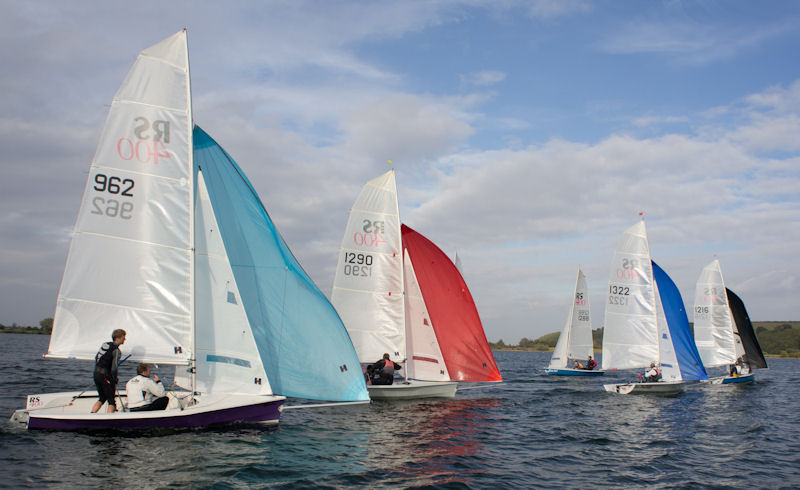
<point x="455" y="319"/>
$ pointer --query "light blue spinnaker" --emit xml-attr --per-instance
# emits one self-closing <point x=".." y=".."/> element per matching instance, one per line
<point x="689" y="362"/>
<point x="303" y="344"/>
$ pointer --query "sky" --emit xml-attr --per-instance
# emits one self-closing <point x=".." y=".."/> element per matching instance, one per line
<point x="526" y="135"/>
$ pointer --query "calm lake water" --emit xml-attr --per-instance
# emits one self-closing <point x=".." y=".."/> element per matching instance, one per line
<point x="530" y="431"/>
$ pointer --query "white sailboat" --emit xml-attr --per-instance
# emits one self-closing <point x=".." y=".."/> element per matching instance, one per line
<point x="720" y="339"/>
<point x="575" y="341"/>
<point x="397" y="293"/>
<point x="173" y="245"/>
<point x="645" y="321"/>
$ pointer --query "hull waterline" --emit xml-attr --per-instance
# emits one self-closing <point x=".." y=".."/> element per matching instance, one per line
<point x="574" y="372"/>
<point x="659" y="388"/>
<point x="413" y="390"/>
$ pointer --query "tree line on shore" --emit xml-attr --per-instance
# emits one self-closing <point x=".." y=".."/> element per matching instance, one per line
<point x="781" y="339"/>
<point x="45" y="327"/>
<point x="777" y="339"/>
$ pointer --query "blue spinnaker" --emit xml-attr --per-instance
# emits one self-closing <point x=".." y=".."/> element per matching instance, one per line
<point x="303" y="344"/>
<point x="689" y="362"/>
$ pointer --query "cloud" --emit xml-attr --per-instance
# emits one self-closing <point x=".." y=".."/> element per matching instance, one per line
<point x="686" y="41"/>
<point x="484" y="78"/>
<point x="405" y="128"/>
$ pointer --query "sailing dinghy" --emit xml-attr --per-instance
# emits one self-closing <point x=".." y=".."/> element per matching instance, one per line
<point x="398" y="293"/>
<point x="173" y="245"/>
<point x="575" y="341"/>
<point x="645" y="321"/>
<point x="722" y="329"/>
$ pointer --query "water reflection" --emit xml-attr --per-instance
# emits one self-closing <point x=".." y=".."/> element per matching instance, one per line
<point x="418" y="439"/>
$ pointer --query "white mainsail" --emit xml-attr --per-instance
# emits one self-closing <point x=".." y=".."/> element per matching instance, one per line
<point x="714" y="329"/>
<point x="130" y="260"/>
<point x="631" y="329"/>
<point x="368" y="287"/>
<point x="575" y="341"/>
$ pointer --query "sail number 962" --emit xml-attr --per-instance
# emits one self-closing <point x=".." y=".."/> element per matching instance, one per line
<point x="108" y="206"/>
<point x="357" y="264"/>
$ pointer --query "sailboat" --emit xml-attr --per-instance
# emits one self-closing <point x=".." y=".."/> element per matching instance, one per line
<point x="399" y="294"/>
<point x="173" y="245"/>
<point x="575" y="341"/>
<point x="722" y="329"/>
<point x="645" y="321"/>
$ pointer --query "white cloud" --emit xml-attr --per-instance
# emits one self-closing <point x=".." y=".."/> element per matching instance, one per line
<point x="405" y="128"/>
<point x="484" y="78"/>
<point x="288" y="92"/>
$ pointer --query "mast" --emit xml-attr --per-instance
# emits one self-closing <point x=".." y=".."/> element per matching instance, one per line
<point x="192" y="198"/>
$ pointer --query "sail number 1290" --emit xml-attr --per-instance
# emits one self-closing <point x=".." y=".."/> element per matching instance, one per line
<point x="357" y="264"/>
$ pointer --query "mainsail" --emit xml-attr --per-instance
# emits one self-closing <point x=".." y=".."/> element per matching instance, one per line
<point x="130" y="261"/>
<point x="368" y="287"/>
<point x="714" y="330"/>
<point x="631" y="330"/>
<point x="575" y="340"/>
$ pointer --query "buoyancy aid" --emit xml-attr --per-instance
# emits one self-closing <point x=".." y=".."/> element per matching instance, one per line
<point x="105" y="357"/>
<point x="388" y="367"/>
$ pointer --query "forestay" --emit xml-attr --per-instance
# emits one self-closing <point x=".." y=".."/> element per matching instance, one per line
<point x="130" y="260"/>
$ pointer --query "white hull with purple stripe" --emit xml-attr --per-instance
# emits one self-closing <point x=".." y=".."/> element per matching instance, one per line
<point x="71" y="411"/>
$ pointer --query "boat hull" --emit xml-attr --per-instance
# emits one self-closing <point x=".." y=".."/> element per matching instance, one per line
<point x="69" y="412"/>
<point x="413" y="389"/>
<point x="659" y="388"/>
<point x="729" y="380"/>
<point x="574" y="372"/>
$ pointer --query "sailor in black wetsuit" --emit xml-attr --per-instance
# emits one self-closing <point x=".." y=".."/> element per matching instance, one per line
<point x="384" y="371"/>
<point x="106" y="362"/>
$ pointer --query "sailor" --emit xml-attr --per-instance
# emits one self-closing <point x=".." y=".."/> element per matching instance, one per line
<point x="591" y="364"/>
<point x="144" y="393"/>
<point x="106" y="362"/>
<point x="654" y="374"/>
<point x="384" y="370"/>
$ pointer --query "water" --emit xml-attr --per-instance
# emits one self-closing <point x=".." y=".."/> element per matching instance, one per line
<point x="531" y="431"/>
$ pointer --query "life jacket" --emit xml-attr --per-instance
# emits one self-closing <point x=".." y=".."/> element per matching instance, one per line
<point x="388" y="367"/>
<point x="105" y="356"/>
<point x="591" y="364"/>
